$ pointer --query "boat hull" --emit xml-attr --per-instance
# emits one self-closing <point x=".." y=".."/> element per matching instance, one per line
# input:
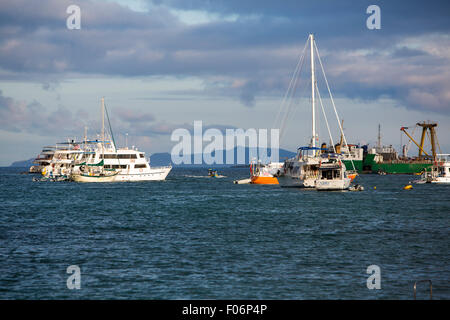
<point x="398" y="167"/>
<point x="401" y="168"/>
<point x="85" y="178"/>
<point x="153" y="174"/>
<point x="295" y="182"/>
<point x="331" y="185"/>
<point x="441" y="180"/>
<point x="264" y="180"/>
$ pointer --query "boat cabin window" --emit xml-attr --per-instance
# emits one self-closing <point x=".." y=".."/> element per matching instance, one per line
<point x="140" y="166"/>
<point x="115" y="166"/>
<point x="127" y="156"/>
<point x="118" y="156"/>
<point x="108" y="156"/>
<point x="330" y="174"/>
<point x="141" y="155"/>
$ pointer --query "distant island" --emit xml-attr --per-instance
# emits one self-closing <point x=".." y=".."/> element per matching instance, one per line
<point x="22" y="164"/>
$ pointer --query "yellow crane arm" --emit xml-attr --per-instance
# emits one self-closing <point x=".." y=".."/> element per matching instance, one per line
<point x="420" y="148"/>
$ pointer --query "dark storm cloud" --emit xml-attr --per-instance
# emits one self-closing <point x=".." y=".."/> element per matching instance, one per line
<point x="246" y="58"/>
<point x="20" y="116"/>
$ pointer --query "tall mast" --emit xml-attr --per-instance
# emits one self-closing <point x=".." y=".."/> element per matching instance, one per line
<point x="103" y="122"/>
<point x="379" y="138"/>
<point x="313" y="83"/>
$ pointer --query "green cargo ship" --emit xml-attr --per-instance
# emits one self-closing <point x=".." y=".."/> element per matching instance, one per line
<point x="394" y="167"/>
<point x="368" y="165"/>
<point x="386" y="160"/>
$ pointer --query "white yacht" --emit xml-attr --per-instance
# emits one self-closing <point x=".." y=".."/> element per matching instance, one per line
<point x="440" y="171"/>
<point x="43" y="159"/>
<point x="301" y="171"/>
<point x="129" y="164"/>
<point x="332" y="176"/>
<point x="62" y="161"/>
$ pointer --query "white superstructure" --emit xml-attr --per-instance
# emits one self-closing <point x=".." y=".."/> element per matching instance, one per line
<point x="131" y="164"/>
<point x="43" y="159"/>
<point x="332" y="176"/>
<point x="301" y="171"/>
<point x="441" y="169"/>
<point x="63" y="158"/>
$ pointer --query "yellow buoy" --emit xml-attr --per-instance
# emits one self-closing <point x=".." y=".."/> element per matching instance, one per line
<point x="407" y="187"/>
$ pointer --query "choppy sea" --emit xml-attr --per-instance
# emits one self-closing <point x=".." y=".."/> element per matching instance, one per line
<point x="195" y="237"/>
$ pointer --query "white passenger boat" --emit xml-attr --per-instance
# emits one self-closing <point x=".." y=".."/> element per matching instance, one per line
<point x="65" y="156"/>
<point x="129" y="164"/>
<point x="42" y="160"/>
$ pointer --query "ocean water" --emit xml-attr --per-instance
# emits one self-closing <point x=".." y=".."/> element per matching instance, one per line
<point x="194" y="237"/>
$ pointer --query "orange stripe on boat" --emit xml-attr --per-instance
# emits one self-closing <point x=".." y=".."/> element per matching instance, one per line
<point x="264" y="180"/>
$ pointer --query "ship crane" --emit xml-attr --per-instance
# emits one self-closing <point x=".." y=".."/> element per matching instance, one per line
<point x="433" y="139"/>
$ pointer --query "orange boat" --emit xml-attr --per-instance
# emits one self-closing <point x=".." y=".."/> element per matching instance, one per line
<point x="352" y="175"/>
<point x="263" y="174"/>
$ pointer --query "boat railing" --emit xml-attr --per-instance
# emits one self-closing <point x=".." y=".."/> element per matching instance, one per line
<point x="444" y="157"/>
<point x="161" y="167"/>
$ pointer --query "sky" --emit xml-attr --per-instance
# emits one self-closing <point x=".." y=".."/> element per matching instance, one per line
<point x="163" y="64"/>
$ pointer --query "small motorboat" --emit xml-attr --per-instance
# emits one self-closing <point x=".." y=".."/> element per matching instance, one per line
<point x="212" y="173"/>
<point x="356" y="187"/>
<point x="264" y="174"/>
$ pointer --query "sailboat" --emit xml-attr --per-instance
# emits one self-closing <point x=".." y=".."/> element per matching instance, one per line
<point x="313" y="166"/>
<point x="96" y="172"/>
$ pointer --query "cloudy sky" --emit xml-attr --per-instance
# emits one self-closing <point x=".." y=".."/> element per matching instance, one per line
<point x="161" y="64"/>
